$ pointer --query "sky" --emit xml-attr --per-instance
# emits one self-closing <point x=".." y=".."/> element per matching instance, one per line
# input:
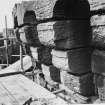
<point x="6" y="7"/>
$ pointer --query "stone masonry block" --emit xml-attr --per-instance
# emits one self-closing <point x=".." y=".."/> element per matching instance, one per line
<point x="99" y="81"/>
<point x="98" y="62"/>
<point x="80" y="84"/>
<point x="76" y="61"/>
<point x="65" y="34"/>
<point x="52" y="72"/>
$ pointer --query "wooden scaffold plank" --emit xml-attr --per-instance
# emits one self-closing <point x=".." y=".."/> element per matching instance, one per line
<point x="16" y="90"/>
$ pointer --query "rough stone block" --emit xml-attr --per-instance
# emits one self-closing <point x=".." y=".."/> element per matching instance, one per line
<point x="65" y="34"/>
<point x="46" y="70"/>
<point x="98" y="62"/>
<point x="61" y="8"/>
<point x="44" y="55"/>
<point x="29" y="35"/>
<point x="55" y="74"/>
<point x="49" y="33"/>
<point x="45" y="9"/>
<point x="80" y="84"/>
<point x="97" y="4"/>
<point x="76" y="61"/>
<point x="51" y="72"/>
<point x="34" y="52"/>
<point x="97" y="20"/>
<point x="98" y="30"/>
<point x="98" y="37"/>
<point x="99" y="81"/>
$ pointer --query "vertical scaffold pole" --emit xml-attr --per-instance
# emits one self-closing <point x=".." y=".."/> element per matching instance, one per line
<point x="6" y="41"/>
<point x="21" y="58"/>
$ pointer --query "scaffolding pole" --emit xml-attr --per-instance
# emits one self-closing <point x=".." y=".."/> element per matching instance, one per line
<point x="21" y="58"/>
<point x="6" y="41"/>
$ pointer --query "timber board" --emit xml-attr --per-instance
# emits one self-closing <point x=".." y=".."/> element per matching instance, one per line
<point x="17" y="89"/>
<point x="15" y="67"/>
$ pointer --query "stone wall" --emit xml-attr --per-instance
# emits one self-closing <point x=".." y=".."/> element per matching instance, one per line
<point x="98" y="30"/>
<point x="62" y="41"/>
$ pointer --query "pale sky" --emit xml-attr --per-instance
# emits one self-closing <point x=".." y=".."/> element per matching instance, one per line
<point x="6" y="10"/>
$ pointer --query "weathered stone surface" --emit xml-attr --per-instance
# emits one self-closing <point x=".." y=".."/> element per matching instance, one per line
<point x="97" y="4"/>
<point x="98" y="23"/>
<point x="97" y="20"/>
<point x="99" y="81"/>
<point x="62" y="8"/>
<point x="55" y="74"/>
<point x="41" y="80"/>
<point x="99" y="37"/>
<point x="52" y="72"/>
<point x="74" y="33"/>
<point x="46" y="33"/>
<point x="98" y="30"/>
<point x="34" y="52"/>
<point x="80" y="84"/>
<point x="75" y="61"/>
<point x="20" y="9"/>
<point x="45" y="9"/>
<point x="29" y="17"/>
<point x="18" y="14"/>
<point x="59" y="59"/>
<point x="29" y="35"/>
<point x="98" y="62"/>
<point x="44" y="55"/>
<point x="46" y="70"/>
<point x="65" y="34"/>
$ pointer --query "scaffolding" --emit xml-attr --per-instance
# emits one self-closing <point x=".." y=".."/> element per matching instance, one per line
<point x="6" y="47"/>
<point x="6" y="39"/>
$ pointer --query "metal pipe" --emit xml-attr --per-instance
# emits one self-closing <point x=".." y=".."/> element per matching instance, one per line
<point x="7" y="38"/>
<point x="10" y="74"/>
<point x="6" y="41"/>
<point x="21" y="58"/>
<point x="17" y="55"/>
<point x="58" y="91"/>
